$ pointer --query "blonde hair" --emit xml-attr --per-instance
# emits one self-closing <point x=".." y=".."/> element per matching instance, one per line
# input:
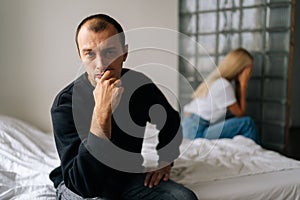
<point x="233" y="63"/>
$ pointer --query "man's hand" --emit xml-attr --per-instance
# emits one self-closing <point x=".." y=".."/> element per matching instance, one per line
<point x="154" y="177"/>
<point x="107" y="95"/>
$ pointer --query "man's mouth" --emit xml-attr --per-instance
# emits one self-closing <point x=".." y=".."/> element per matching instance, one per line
<point x="98" y="76"/>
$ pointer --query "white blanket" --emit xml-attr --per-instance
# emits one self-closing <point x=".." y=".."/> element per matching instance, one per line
<point x="203" y="160"/>
<point x="230" y="169"/>
<point x="226" y="158"/>
<point x="27" y="156"/>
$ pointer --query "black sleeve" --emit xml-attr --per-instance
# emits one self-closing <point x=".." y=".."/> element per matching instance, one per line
<point x="167" y="121"/>
<point x="149" y="103"/>
<point x="78" y="166"/>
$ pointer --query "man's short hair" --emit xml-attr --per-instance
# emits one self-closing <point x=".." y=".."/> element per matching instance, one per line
<point x="100" y="24"/>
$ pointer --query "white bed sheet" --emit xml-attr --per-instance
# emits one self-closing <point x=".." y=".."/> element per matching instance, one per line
<point x="279" y="185"/>
<point x="27" y="155"/>
<point x="214" y="169"/>
<point x="235" y="168"/>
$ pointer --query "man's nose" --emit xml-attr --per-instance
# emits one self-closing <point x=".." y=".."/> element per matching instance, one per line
<point x="101" y="63"/>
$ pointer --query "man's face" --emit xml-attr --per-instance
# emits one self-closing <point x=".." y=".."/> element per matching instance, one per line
<point x="100" y="51"/>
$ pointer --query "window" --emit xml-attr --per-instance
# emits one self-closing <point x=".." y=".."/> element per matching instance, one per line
<point x="260" y="26"/>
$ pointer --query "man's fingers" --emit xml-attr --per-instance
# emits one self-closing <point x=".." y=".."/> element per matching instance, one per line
<point x="107" y="75"/>
<point x="116" y="97"/>
<point x="110" y="81"/>
<point x="166" y="177"/>
<point x="148" y="176"/>
<point x="158" y="178"/>
<point x="153" y="179"/>
<point x="117" y="83"/>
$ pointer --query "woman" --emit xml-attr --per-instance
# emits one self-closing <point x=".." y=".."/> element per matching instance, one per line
<point x="217" y="109"/>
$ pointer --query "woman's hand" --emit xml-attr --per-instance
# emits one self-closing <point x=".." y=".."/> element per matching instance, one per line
<point x="239" y="108"/>
<point x="244" y="76"/>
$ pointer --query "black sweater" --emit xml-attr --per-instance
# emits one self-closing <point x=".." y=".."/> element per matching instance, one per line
<point x="91" y="166"/>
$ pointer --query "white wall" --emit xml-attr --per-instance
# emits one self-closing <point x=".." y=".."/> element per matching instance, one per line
<point x="38" y="55"/>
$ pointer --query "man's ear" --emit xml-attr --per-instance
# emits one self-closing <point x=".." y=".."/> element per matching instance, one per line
<point x="125" y="53"/>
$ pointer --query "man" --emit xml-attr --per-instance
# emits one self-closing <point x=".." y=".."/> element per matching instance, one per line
<point x="99" y="122"/>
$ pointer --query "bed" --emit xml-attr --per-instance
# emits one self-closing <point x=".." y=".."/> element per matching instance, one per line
<point x="214" y="169"/>
<point x="27" y="155"/>
<point x="230" y="169"/>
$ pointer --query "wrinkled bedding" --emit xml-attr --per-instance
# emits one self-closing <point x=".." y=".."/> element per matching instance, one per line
<point x="27" y="155"/>
<point x="230" y="169"/>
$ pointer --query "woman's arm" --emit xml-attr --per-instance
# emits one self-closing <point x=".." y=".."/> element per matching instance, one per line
<point x="239" y="108"/>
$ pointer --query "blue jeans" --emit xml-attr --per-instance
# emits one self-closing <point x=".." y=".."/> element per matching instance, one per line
<point x="193" y="126"/>
<point x="165" y="190"/>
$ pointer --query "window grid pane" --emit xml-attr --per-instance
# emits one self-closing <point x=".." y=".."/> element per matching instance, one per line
<point x="260" y="26"/>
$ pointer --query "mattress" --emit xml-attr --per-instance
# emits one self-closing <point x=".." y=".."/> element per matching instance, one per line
<point x="235" y="168"/>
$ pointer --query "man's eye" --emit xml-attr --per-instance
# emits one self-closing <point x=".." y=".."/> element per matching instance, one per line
<point x="90" y="54"/>
<point x="110" y="53"/>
